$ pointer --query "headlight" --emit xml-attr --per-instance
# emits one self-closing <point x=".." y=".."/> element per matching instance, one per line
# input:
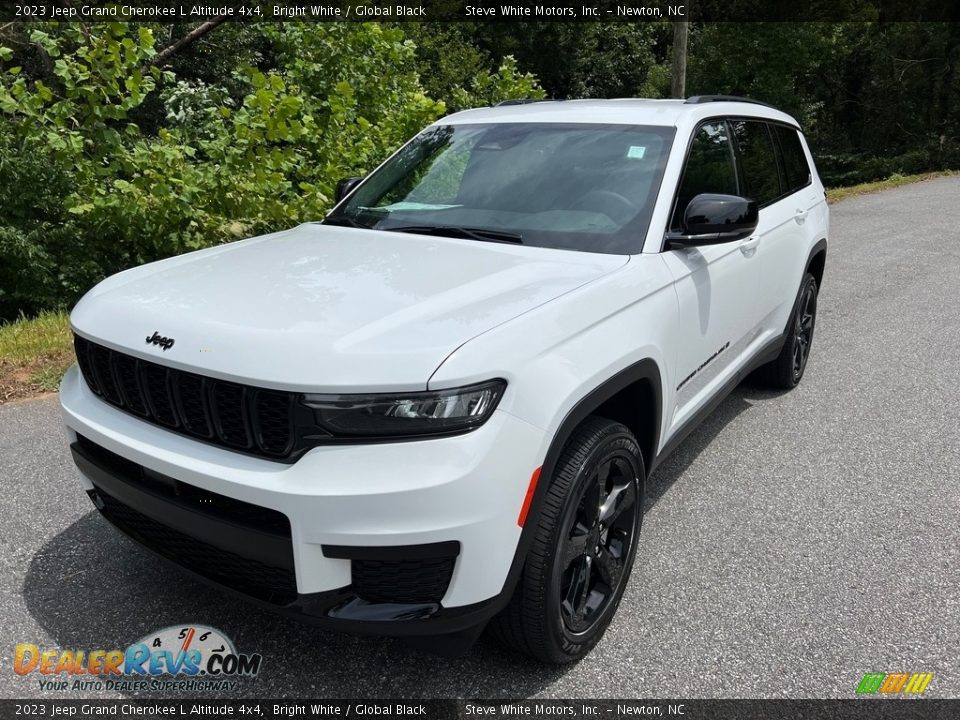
<point x="404" y="414"/>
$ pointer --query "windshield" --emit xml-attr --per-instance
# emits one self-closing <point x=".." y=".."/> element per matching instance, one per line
<point x="569" y="186"/>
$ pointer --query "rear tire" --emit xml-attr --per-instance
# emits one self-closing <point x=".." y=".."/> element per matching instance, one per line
<point x="583" y="547"/>
<point x="787" y="370"/>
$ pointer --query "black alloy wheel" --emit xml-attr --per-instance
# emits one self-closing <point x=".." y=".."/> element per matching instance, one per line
<point x="786" y="371"/>
<point x="598" y="538"/>
<point x="803" y="329"/>
<point x="583" y="546"/>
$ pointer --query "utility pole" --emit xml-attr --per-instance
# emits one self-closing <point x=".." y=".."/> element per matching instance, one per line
<point x="678" y="67"/>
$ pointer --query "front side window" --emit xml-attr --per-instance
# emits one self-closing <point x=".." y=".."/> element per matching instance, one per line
<point x="709" y="168"/>
<point x="569" y="186"/>
<point x="758" y="161"/>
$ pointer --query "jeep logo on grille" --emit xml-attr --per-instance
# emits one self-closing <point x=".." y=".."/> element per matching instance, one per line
<point x="156" y="339"/>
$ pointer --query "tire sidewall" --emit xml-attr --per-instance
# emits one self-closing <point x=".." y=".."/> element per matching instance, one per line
<point x="808" y="282"/>
<point x="573" y="644"/>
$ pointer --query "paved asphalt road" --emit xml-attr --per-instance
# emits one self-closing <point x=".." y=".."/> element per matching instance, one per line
<point x="791" y="544"/>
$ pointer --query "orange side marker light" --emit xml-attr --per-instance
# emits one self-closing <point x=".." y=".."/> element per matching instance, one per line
<point x="531" y="489"/>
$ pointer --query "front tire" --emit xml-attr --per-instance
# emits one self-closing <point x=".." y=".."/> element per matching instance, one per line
<point x="583" y="548"/>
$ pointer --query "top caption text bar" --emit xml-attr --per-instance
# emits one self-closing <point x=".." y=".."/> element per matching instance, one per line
<point x="634" y="11"/>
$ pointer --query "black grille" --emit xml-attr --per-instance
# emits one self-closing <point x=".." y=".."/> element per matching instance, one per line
<point x="190" y="392"/>
<point x="156" y="382"/>
<point x="247" y="419"/>
<point x="402" y="581"/>
<point x="129" y="381"/>
<point x="272" y="416"/>
<point x="228" y="415"/>
<point x="273" y="584"/>
<point x="102" y="368"/>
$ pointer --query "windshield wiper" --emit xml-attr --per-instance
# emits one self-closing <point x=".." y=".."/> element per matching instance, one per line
<point x="463" y="232"/>
<point x="345" y="221"/>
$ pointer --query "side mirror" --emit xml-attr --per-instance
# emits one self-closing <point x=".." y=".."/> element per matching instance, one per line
<point x="711" y="219"/>
<point x="345" y="187"/>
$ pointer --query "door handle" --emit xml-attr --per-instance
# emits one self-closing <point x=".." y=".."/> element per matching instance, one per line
<point x="800" y="216"/>
<point x="749" y="246"/>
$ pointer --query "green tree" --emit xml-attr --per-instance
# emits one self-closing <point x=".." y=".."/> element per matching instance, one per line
<point x="579" y="60"/>
<point x="222" y="158"/>
<point x="874" y="98"/>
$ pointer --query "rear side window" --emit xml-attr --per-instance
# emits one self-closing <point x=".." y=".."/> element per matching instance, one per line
<point x="758" y="161"/>
<point x="709" y="168"/>
<point x="796" y="170"/>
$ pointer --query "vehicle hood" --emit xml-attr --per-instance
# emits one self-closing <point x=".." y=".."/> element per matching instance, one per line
<point x="327" y="308"/>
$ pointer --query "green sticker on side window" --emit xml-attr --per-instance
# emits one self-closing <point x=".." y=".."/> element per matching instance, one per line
<point x="636" y="151"/>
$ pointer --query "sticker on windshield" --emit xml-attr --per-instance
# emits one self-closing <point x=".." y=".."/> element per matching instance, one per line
<point x="636" y="151"/>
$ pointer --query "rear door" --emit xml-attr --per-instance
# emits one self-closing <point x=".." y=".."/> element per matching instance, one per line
<point x="716" y="285"/>
<point x="772" y="173"/>
<point x="784" y="260"/>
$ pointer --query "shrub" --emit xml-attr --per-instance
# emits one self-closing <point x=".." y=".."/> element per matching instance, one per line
<point x="260" y="151"/>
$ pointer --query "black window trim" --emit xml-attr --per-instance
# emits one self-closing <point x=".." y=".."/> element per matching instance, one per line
<point x="716" y="120"/>
<point x="774" y="143"/>
<point x="780" y="153"/>
<point x="736" y="165"/>
<point x="781" y="164"/>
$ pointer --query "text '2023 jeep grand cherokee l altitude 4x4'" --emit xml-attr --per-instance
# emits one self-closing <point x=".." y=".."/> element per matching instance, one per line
<point x="439" y="406"/>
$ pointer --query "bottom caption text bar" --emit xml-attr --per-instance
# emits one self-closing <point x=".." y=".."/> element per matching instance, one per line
<point x="464" y="709"/>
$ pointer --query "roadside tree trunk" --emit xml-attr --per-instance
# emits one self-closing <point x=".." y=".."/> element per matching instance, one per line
<point x="678" y="84"/>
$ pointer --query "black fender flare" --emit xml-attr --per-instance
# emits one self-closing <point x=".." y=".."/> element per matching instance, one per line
<point x="818" y="247"/>
<point x="646" y="369"/>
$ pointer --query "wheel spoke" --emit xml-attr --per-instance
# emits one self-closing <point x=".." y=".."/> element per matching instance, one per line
<point x="584" y="582"/>
<point x="579" y="588"/>
<point x="593" y="496"/>
<point x="620" y="497"/>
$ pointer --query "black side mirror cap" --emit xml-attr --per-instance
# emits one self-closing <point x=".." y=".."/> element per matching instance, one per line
<point x="345" y="187"/>
<point x="711" y="219"/>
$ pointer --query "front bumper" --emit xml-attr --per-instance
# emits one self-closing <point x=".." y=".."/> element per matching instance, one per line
<point x="346" y="505"/>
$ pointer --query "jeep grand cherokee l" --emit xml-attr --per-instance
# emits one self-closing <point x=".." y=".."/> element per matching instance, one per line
<point x="437" y="408"/>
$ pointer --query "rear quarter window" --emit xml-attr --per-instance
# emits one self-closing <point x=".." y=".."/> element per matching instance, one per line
<point x="796" y="169"/>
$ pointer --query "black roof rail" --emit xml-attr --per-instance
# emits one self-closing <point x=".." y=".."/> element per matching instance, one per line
<point x="522" y="101"/>
<point x="700" y="99"/>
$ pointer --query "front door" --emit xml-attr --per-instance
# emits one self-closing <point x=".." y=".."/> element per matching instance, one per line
<point x="716" y="285"/>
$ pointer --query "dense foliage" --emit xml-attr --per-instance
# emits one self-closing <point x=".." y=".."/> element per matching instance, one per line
<point x="107" y="161"/>
<point x="874" y="99"/>
<point x="110" y="157"/>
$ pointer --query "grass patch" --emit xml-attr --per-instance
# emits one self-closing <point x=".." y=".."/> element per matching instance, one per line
<point x="896" y="180"/>
<point x="34" y="354"/>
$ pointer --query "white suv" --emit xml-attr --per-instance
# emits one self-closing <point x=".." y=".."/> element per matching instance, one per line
<point x="439" y="406"/>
